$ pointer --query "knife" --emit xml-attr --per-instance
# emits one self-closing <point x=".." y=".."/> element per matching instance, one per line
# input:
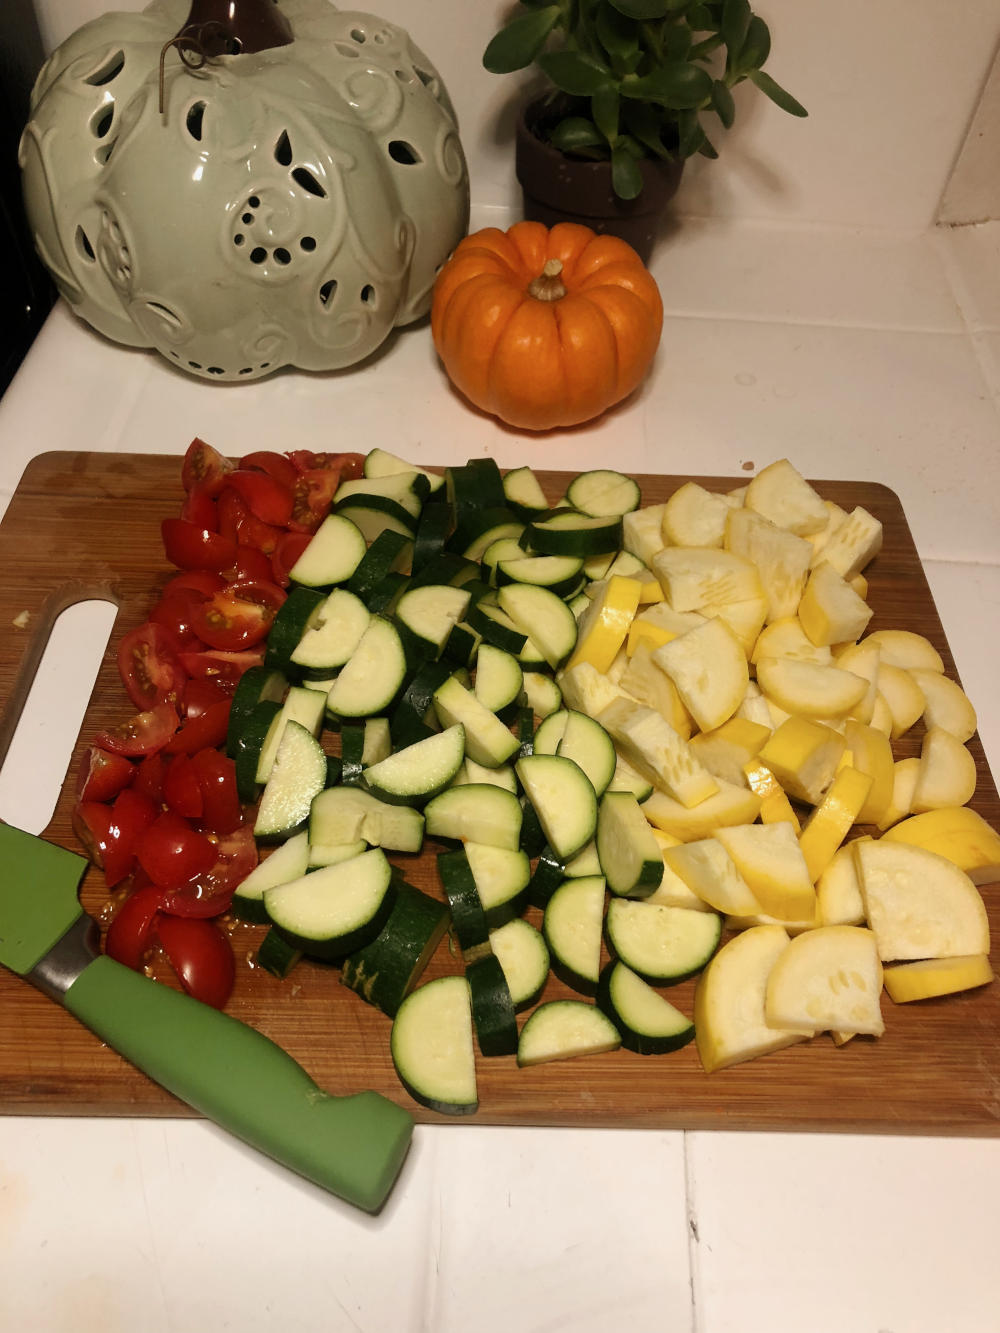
<point x="230" y="1073"/>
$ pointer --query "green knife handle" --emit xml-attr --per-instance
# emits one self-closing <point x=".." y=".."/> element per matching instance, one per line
<point x="230" y="1073"/>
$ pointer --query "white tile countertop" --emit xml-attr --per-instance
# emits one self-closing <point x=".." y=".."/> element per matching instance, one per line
<point x="868" y="355"/>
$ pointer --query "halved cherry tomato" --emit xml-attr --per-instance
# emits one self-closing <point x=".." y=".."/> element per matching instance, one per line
<point x="182" y="788"/>
<point x="130" y="935"/>
<point x="102" y="775"/>
<point x="204" y="466"/>
<point x="348" y="465"/>
<point x="275" y="465"/>
<point x="199" y="508"/>
<point x="110" y="833"/>
<point x="240" y="616"/>
<point x="314" y="492"/>
<point x="201" y="955"/>
<point x="211" y="894"/>
<point x="204" y="581"/>
<point x="174" y="613"/>
<point x="286" y="553"/>
<point x="229" y="666"/>
<point x="250" y="565"/>
<point x="203" y="691"/>
<point x="149" y="775"/>
<point x="189" y="547"/>
<point x="172" y="852"/>
<point x="241" y="525"/>
<point x="267" y="499"/>
<point x="216" y="774"/>
<point x="148" y="665"/>
<point x="207" y="729"/>
<point x="145" y="733"/>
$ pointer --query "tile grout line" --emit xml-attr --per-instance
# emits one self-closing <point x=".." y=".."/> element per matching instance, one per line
<point x="693" y="1238"/>
<point x="955" y="277"/>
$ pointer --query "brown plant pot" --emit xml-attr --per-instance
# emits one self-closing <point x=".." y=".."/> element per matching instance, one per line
<point x="559" y="188"/>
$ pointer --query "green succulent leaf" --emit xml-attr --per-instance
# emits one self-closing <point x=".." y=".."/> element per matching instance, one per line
<point x="576" y="134"/>
<point x="573" y="72"/>
<point x="617" y="34"/>
<point x="645" y="124"/>
<point x="677" y="42"/>
<point x="736" y="16"/>
<point x="626" y="178"/>
<point x="706" y="147"/>
<point x="521" y="41"/>
<point x="690" y="134"/>
<point x="677" y="85"/>
<point x="700" y="19"/>
<point x="723" y="104"/>
<point x="755" y="49"/>
<point x="777" y="94"/>
<point x="702" y="50"/>
<point x="604" y="106"/>
<point x="643" y="10"/>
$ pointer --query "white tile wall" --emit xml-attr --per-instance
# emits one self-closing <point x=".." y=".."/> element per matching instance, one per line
<point x="891" y="87"/>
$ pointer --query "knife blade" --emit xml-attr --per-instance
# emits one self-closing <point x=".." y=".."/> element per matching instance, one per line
<point x="353" y="1146"/>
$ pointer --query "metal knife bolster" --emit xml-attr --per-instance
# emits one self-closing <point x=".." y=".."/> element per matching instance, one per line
<point x="68" y="957"/>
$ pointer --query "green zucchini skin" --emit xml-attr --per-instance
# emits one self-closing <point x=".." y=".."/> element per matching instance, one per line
<point x="492" y="1007"/>
<point x="670" y="1033"/>
<point x="386" y="970"/>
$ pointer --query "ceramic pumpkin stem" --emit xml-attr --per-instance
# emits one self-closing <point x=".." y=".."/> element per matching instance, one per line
<point x="548" y="286"/>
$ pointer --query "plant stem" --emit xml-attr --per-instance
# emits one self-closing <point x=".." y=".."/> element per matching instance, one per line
<point x="548" y="286"/>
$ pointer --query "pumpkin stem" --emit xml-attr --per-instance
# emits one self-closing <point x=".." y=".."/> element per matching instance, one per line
<point x="548" y="286"/>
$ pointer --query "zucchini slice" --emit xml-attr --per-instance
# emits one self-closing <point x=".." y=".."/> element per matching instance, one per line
<point x="373" y="676"/>
<point x="543" y="617"/>
<point x="332" y="636"/>
<point x="417" y="772"/>
<point x="432" y="1047"/>
<point x="576" y="736"/>
<point x="298" y="776"/>
<point x="475" y="812"/>
<point x="492" y="1006"/>
<point x="662" y="944"/>
<point x="331" y="912"/>
<point x="648" y="1023"/>
<point x="562" y="1029"/>
<point x="344" y="814"/>
<point x="574" y="917"/>
<point x="563" y="798"/>
<point x="334" y="552"/>
<point x="385" y="971"/>
<point x="603" y="493"/>
<point x="467" y="913"/>
<point x="501" y="877"/>
<point x="487" y="740"/>
<point x="258" y="684"/>
<point x="524" y="957"/>
<point x="630" y="856"/>
<point x="288" y="861"/>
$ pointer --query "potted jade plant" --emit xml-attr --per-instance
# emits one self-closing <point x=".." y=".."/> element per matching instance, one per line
<point x="635" y="88"/>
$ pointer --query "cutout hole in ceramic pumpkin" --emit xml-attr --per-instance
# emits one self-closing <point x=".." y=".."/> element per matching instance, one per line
<point x="107" y="70"/>
<point x="100" y="121"/>
<point x="328" y="291"/>
<point x="84" y="247"/>
<point x="403" y="153"/>
<point x="283" y="150"/>
<point x="195" y="120"/>
<point x="369" y="296"/>
<point x="303" y="176"/>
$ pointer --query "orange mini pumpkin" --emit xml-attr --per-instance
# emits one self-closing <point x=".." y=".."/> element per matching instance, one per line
<point x="543" y="327"/>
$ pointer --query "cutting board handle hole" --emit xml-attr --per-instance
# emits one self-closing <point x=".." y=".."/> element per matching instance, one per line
<point x="44" y="738"/>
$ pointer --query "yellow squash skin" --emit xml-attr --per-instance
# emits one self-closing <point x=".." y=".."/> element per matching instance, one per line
<point x="580" y="340"/>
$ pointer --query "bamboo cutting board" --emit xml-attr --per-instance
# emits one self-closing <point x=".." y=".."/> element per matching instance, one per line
<point x="87" y="525"/>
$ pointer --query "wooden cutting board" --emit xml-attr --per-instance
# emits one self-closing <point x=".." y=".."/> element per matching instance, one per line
<point x="84" y="525"/>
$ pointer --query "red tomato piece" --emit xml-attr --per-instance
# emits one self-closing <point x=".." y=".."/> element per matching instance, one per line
<point x="145" y="733"/>
<point x="227" y="666"/>
<point x="242" y="526"/>
<point x="275" y="465"/>
<point x="149" y="775"/>
<point x="130" y="935"/>
<point x="349" y="466"/>
<point x="314" y="492"/>
<point x="208" y="729"/>
<point x="203" y="581"/>
<point x="189" y="547"/>
<point x="210" y="894"/>
<point x="239" y="617"/>
<point x="204" y="466"/>
<point x="110" y="833"/>
<point x="172" y="852"/>
<point x="267" y="499"/>
<point x="201" y="955"/>
<point x="216" y="774"/>
<point x="174" y="612"/>
<point x="286" y="553"/>
<point x="199" y="508"/>
<point x="102" y="775"/>
<point x="251" y="565"/>
<point x="204" y="691"/>
<point x="148" y="665"/>
<point x="182" y="788"/>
